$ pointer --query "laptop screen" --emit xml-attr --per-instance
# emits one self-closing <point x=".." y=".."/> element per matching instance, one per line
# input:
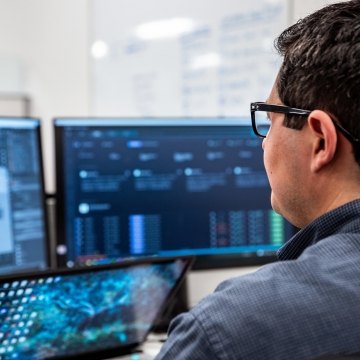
<point x="22" y="207"/>
<point x="84" y="313"/>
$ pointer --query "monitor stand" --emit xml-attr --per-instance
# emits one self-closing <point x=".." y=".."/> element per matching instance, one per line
<point x="178" y="304"/>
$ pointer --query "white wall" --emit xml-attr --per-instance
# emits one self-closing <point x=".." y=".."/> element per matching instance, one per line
<point x="46" y="43"/>
<point x="302" y="8"/>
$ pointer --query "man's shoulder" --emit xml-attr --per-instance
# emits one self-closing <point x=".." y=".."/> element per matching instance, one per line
<point x="314" y="284"/>
<point x="296" y="307"/>
<point x="290" y="302"/>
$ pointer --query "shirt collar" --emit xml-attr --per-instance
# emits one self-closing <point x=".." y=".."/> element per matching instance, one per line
<point x="333" y="222"/>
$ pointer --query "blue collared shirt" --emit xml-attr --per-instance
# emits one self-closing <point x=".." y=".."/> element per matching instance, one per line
<point x="302" y="307"/>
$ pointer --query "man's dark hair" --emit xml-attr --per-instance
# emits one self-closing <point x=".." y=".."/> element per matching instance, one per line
<point x="321" y="66"/>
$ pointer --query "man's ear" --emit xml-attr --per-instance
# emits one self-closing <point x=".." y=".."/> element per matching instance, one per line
<point x="324" y="139"/>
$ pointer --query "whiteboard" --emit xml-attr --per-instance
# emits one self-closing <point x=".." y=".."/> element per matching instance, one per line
<point x="183" y="57"/>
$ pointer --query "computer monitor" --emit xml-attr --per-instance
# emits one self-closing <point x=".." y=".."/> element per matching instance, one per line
<point x="165" y="187"/>
<point x="23" y="244"/>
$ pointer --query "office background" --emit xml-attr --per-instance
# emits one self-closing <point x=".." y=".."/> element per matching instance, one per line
<point x="47" y="69"/>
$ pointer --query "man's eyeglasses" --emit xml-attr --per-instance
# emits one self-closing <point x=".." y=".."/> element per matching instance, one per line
<point x="261" y="123"/>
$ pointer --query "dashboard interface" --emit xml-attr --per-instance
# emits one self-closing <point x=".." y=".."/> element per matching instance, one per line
<point x="166" y="187"/>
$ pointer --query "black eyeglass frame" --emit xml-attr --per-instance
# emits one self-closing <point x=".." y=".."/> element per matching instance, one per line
<point x="283" y="109"/>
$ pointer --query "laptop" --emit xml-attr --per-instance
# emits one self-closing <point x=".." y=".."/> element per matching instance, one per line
<point x="86" y="313"/>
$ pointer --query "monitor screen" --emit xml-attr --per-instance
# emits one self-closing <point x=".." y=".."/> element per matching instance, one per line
<point x="166" y="187"/>
<point x="22" y="208"/>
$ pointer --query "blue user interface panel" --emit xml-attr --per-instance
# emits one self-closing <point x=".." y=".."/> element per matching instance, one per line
<point x="167" y="187"/>
<point x="84" y="314"/>
<point x="22" y="208"/>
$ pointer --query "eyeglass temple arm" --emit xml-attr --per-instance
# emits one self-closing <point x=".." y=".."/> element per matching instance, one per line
<point x="278" y="108"/>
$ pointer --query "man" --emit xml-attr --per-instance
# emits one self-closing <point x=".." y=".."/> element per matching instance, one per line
<point x="307" y="305"/>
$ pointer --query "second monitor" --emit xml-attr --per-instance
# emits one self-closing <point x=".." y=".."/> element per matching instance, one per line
<point x="166" y="186"/>
<point x="23" y="226"/>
